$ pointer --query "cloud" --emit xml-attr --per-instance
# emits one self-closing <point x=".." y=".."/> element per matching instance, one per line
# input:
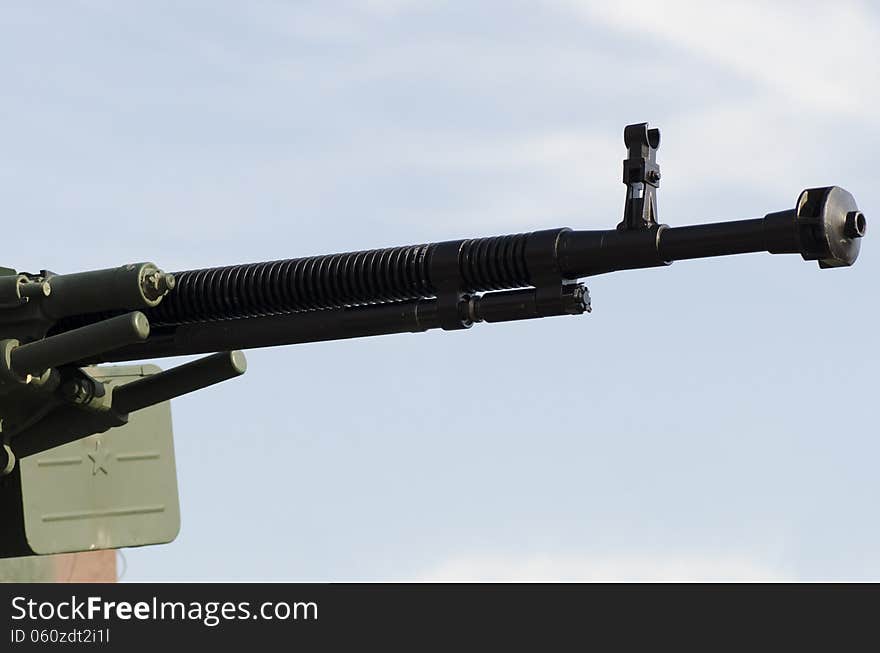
<point x="821" y="56"/>
<point x="803" y="73"/>
<point x="626" y="568"/>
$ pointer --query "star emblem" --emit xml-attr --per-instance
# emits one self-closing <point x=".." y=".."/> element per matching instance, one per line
<point x="100" y="458"/>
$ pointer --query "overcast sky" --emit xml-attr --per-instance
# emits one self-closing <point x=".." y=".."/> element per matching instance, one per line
<point x="713" y="420"/>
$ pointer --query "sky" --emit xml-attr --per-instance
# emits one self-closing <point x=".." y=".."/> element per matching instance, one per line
<point x="715" y="420"/>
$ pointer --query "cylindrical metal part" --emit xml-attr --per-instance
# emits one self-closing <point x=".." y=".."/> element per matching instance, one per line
<point x="178" y="381"/>
<point x="825" y="226"/>
<point x="342" y="323"/>
<point x="129" y="287"/>
<point x="84" y="342"/>
<point x="588" y="253"/>
<point x="722" y="239"/>
<point x="330" y="281"/>
<point x="348" y="279"/>
<point x="510" y="305"/>
<point x="286" y="329"/>
<point x="830" y="226"/>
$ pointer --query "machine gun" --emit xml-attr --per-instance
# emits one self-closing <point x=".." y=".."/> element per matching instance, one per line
<point x="60" y="411"/>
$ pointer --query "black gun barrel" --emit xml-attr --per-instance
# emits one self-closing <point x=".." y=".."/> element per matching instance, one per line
<point x="817" y="229"/>
<point x="438" y="285"/>
<point x="722" y="239"/>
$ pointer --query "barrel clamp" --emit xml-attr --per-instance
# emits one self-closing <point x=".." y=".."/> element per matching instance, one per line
<point x="451" y="300"/>
<point x="641" y="174"/>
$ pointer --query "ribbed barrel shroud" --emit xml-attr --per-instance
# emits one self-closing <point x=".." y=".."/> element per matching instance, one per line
<point x="337" y="280"/>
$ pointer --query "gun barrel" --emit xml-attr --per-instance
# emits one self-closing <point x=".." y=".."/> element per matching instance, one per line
<point x="438" y="285"/>
<point x="826" y="226"/>
<point x="721" y="239"/>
